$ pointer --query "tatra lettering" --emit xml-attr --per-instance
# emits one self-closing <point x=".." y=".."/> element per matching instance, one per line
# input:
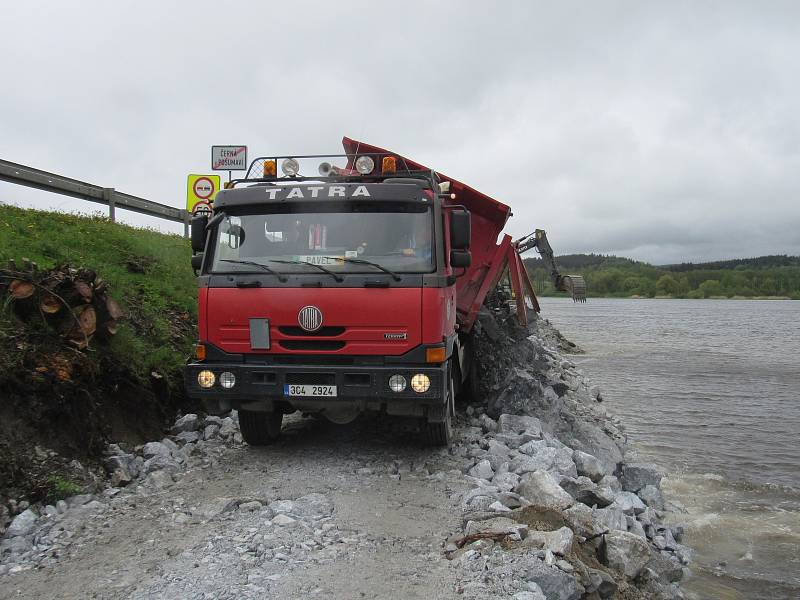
<point x="313" y="191"/>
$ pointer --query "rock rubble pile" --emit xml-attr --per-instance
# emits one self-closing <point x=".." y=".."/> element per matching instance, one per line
<point x="555" y="511"/>
<point x="40" y="536"/>
<point x="263" y="541"/>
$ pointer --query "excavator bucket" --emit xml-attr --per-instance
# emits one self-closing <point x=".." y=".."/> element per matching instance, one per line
<point x="576" y="286"/>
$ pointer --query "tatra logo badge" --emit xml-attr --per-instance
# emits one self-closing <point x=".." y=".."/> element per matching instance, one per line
<point x="310" y="318"/>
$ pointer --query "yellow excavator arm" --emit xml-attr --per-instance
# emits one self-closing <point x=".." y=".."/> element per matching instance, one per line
<point x="572" y="284"/>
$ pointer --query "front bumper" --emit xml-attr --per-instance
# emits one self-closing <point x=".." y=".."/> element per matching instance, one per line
<point x="366" y="387"/>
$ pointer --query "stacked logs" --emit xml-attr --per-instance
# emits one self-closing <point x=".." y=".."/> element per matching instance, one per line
<point x="75" y="302"/>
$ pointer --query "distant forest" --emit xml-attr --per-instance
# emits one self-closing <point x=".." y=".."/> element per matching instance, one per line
<point x="613" y="276"/>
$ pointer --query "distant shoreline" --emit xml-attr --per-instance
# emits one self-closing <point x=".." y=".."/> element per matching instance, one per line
<point x="674" y="297"/>
<point x="761" y="278"/>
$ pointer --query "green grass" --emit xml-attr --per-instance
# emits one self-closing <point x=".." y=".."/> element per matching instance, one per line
<point x="160" y="302"/>
<point x="60" y="488"/>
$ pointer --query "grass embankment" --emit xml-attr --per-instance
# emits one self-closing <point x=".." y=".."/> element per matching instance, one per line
<point x="58" y="403"/>
<point x="149" y="274"/>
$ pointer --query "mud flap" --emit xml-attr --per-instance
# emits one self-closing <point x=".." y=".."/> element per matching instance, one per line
<point x="438" y="430"/>
<point x="409" y="408"/>
<point x="438" y="414"/>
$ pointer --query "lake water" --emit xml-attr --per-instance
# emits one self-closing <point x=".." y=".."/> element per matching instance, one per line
<point x="709" y="390"/>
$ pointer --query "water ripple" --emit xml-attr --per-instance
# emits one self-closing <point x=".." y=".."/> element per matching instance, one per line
<point x="711" y="391"/>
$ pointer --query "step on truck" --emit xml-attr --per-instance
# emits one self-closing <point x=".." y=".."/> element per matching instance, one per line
<point x="342" y="285"/>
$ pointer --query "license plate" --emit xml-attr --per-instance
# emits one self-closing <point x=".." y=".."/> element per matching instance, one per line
<point x="328" y="391"/>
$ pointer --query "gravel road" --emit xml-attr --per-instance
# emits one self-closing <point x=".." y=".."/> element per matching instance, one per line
<point x="374" y="527"/>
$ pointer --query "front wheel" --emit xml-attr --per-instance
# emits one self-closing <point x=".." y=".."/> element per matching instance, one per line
<point x="441" y="433"/>
<point x="260" y="428"/>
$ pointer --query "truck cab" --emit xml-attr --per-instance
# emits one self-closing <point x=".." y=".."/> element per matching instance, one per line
<point x="333" y="294"/>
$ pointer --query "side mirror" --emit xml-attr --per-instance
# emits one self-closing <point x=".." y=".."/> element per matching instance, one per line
<point x="197" y="262"/>
<point x="198" y="233"/>
<point x="460" y="229"/>
<point x="460" y="258"/>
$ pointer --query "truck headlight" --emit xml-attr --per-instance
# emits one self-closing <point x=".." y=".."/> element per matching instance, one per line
<point x="420" y="383"/>
<point x="206" y="379"/>
<point x="397" y="383"/>
<point x="227" y="380"/>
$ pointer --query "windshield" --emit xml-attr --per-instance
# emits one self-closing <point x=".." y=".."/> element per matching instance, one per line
<point x="342" y="237"/>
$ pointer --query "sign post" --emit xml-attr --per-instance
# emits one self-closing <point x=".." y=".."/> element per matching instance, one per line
<point x="229" y="158"/>
<point x="201" y="188"/>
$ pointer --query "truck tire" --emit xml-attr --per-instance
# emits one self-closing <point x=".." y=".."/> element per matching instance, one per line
<point x="441" y="434"/>
<point x="472" y="391"/>
<point x="260" y="428"/>
<point x="469" y="392"/>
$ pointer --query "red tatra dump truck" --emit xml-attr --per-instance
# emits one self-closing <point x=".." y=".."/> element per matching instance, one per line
<point x="345" y="289"/>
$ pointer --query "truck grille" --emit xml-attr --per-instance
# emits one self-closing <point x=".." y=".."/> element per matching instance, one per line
<point x="311" y="344"/>
<point x="310" y="359"/>
<point x="295" y="331"/>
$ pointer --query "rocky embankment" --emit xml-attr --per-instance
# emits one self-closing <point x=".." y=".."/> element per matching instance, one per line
<point x="533" y="500"/>
<point x="555" y="508"/>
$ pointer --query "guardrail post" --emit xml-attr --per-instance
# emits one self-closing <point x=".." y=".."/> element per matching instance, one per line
<point x="186" y="218"/>
<point x="108" y="196"/>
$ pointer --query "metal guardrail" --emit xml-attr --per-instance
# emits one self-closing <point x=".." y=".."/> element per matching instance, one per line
<point x="58" y="184"/>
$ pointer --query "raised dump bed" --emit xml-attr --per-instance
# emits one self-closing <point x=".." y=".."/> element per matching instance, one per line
<point x="491" y="250"/>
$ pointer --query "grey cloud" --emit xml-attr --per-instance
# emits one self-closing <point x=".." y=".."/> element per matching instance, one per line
<point x="661" y="131"/>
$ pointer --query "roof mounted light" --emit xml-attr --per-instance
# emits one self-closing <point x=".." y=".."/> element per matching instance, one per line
<point x="326" y="169"/>
<point x="365" y="165"/>
<point x="389" y="164"/>
<point x="290" y="167"/>
<point x="270" y="168"/>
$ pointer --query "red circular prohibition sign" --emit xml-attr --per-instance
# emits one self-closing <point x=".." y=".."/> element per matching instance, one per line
<point x="210" y="185"/>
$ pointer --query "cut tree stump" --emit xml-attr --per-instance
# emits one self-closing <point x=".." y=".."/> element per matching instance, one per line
<point x="75" y="302"/>
<point x="49" y="304"/>
<point x="83" y="291"/>
<point x="21" y="290"/>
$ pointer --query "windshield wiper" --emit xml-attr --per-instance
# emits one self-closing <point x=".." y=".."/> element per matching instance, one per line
<point x="361" y="261"/>
<point x="338" y="278"/>
<point x="261" y="266"/>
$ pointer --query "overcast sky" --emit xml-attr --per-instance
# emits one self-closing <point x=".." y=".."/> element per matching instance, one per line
<point x="661" y="131"/>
